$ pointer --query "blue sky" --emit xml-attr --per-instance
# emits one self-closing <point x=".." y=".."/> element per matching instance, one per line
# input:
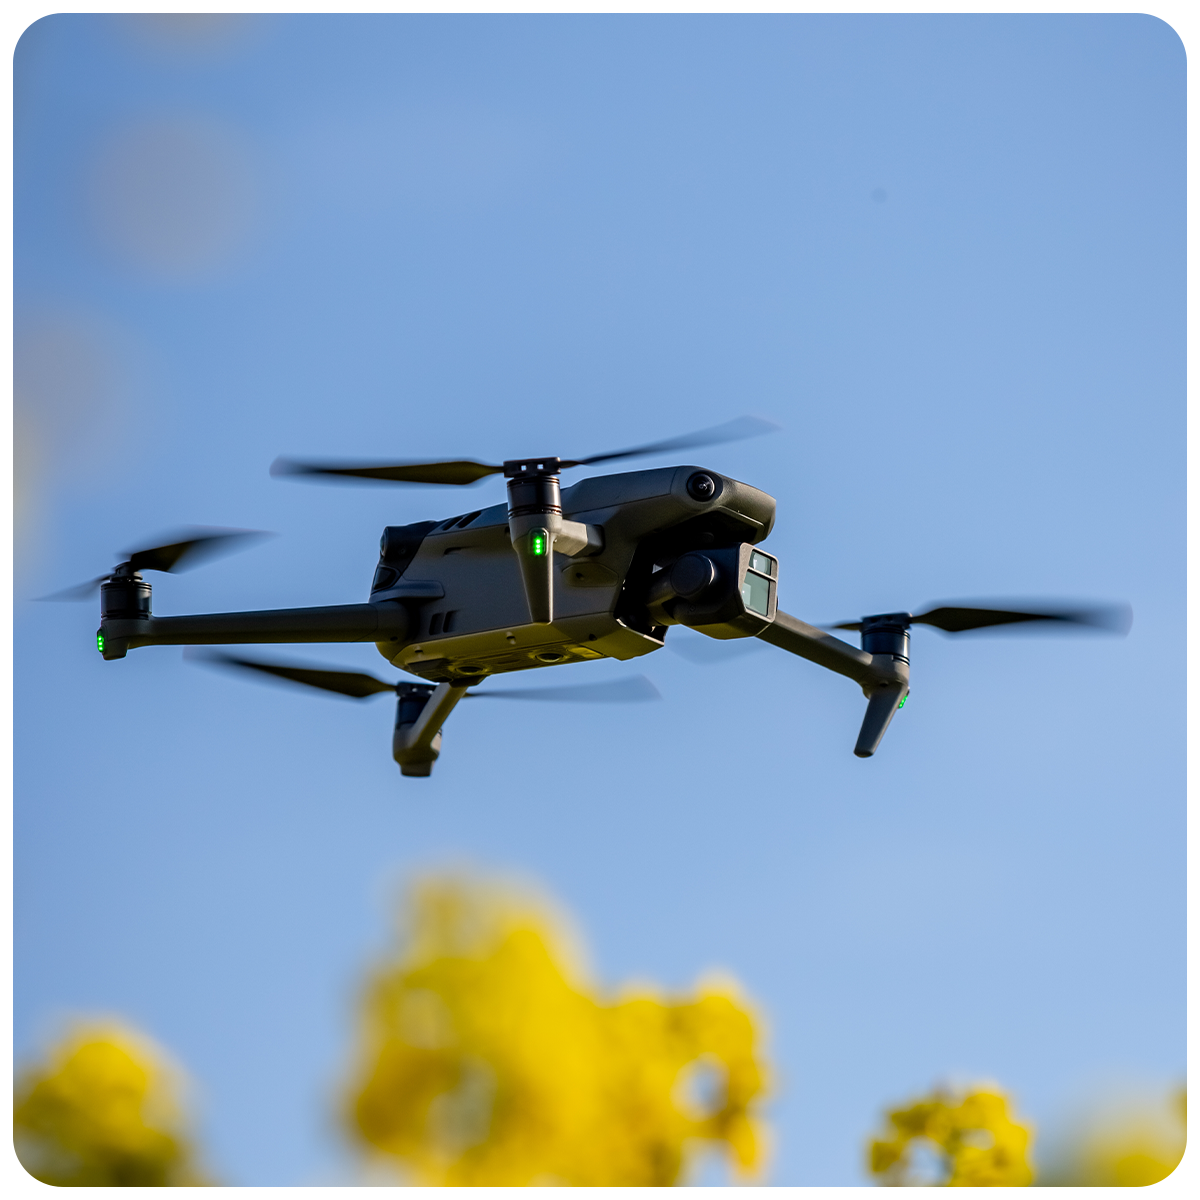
<point x="945" y="254"/>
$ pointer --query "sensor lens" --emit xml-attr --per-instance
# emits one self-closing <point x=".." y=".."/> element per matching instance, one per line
<point x="701" y="486"/>
<point x="756" y="592"/>
<point x="762" y="562"/>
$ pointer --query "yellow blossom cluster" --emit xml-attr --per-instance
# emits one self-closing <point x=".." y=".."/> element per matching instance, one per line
<point x="1132" y="1141"/>
<point x="486" y="1058"/>
<point x="966" y="1139"/>
<point x="102" y="1111"/>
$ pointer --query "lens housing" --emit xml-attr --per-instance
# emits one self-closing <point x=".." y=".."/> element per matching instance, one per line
<point x="702" y="486"/>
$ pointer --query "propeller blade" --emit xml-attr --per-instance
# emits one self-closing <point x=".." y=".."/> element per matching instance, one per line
<point x="618" y="691"/>
<point x="356" y="684"/>
<point x="731" y="431"/>
<point x="465" y="471"/>
<point x="461" y="472"/>
<point x="84" y="591"/>
<point x="360" y="685"/>
<point x="191" y="547"/>
<point x="964" y="618"/>
<point x="951" y="618"/>
<point x="961" y="618"/>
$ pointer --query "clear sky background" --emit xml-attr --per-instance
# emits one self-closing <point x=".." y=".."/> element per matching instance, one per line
<point x="946" y="254"/>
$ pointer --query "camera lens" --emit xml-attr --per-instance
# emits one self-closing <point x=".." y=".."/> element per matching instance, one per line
<point x="701" y="486"/>
<point x="692" y="575"/>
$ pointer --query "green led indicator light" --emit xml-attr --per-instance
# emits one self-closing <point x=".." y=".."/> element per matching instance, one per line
<point x="537" y="543"/>
<point x="100" y="642"/>
<point x="902" y="703"/>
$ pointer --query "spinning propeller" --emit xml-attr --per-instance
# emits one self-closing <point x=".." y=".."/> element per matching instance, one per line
<point x="885" y="638"/>
<point x="421" y="708"/>
<point x="360" y="685"/>
<point x="191" y="547"/>
<point x="536" y="525"/>
<point x="954" y="618"/>
<point x="466" y="471"/>
<point x="881" y="668"/>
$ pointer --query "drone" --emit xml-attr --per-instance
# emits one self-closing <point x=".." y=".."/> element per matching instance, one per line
<point x="604" y="568"/>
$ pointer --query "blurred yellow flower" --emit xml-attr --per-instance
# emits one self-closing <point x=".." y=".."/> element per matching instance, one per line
<point x="103" y="1111"/>
<point x="954" y="1140"/>
<point x="486" y="1059"/>
<point x="1129" y="1139"/>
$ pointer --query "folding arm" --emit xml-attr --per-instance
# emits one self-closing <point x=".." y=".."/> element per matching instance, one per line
<point x="332" y="623"/>
<point x="882" y="677"/>
<point x="416" y="745"/>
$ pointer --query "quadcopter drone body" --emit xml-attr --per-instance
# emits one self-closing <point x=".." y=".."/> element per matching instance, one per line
<point x="601" y="569"/>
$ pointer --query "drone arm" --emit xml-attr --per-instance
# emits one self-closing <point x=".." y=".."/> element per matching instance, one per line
<point x="882" y="677"/>
<point x="415" y="747"/>
<point x="882" y="704"/>
<point x="332" y="623"/>
<point x="807" y="641"/>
